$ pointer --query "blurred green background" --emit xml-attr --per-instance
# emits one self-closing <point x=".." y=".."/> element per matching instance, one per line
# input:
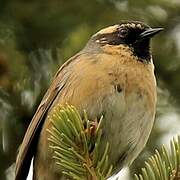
<point x="37" y="36"/>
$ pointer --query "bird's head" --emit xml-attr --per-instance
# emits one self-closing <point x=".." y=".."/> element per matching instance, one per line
<point x="133" y="35"/>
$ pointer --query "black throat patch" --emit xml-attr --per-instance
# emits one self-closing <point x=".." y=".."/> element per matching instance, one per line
<point x="142" y="50"/>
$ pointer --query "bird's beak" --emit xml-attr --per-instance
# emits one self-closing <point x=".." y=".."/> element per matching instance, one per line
<point x="149" y="33"/>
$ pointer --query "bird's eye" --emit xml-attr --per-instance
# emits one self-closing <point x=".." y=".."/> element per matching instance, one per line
<point x="123" y="33"/>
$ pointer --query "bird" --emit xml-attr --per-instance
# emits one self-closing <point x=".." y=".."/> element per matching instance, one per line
<point x="112" y="75"/>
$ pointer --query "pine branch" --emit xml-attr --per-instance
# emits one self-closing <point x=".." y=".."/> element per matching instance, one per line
<point x="164" y="164"/>
<point x="75" y="143"/>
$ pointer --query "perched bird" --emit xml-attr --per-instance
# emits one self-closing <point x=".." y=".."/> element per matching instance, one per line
<point x="113" y="75"/>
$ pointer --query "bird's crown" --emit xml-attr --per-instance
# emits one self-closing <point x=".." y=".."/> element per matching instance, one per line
<point x="123" y="24"/>
<point x="134" y="25"/>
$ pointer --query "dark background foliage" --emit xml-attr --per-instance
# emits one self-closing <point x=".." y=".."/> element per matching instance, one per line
<point x="36" y="37"/>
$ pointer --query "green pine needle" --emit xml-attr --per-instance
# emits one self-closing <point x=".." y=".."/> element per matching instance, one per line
<point x="163" y="165"/>
<point x="75" y="143"/>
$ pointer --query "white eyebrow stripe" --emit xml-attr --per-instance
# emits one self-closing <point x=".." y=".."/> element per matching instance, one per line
<point x="108" y="30"/>
<point x="132" y="25"/>
<point x="139" y="25"/>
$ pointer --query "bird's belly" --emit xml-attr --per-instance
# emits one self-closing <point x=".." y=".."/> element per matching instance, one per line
<point x="127" y="125"/>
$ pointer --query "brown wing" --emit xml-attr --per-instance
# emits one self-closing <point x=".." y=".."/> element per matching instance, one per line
<point x="28" y="145"/>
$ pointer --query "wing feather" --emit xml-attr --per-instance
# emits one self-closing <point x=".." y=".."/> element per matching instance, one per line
<point x="29" y="143"/>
